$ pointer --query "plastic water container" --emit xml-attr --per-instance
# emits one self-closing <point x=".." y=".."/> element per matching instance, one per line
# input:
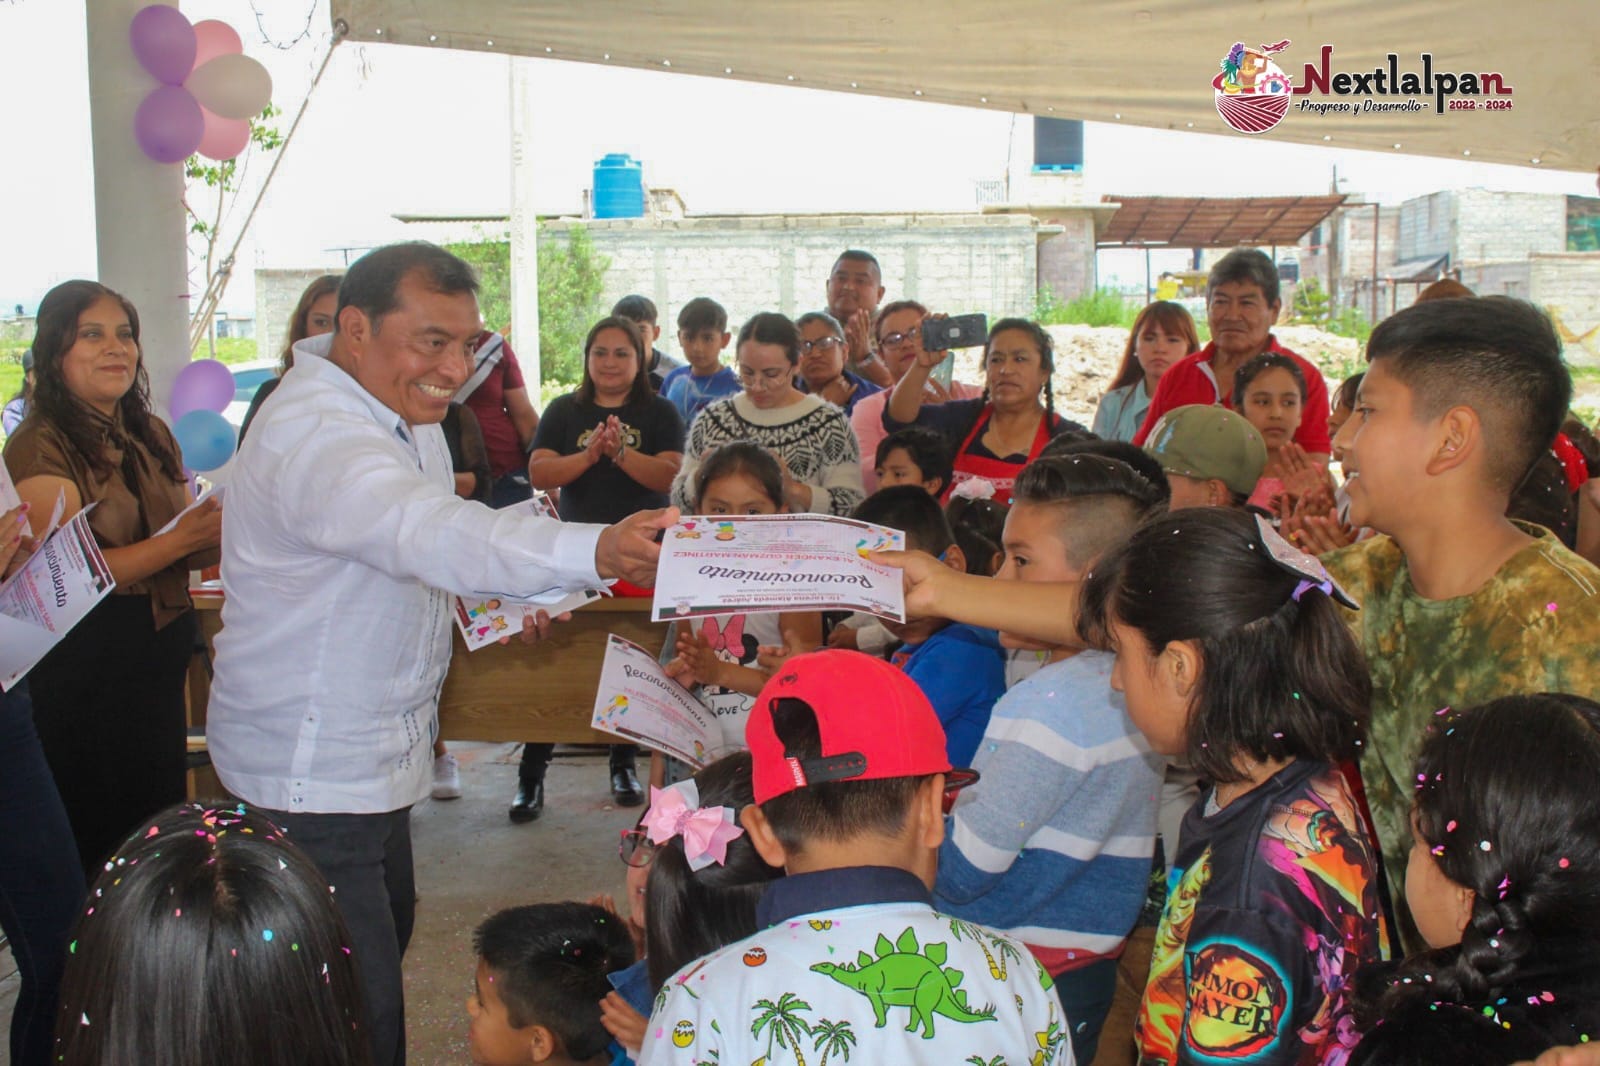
<point x="618" y="187"/>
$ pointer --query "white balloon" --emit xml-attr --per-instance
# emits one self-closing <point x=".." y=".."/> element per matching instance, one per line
<point x="231" y="86"/>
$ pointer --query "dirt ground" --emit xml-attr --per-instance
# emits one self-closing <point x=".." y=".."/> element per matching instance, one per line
<point x="1087" y="358"/>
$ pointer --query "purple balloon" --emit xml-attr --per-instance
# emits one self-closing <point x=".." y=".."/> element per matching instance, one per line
<point x="169" y="124"/>
<point x="163" y="42"/>
<point x="203" y="385"/>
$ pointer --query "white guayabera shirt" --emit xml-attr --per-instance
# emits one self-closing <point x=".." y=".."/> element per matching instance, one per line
<point x="341" y="532"/>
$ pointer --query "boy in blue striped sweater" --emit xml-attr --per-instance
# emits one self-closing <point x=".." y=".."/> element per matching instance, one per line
<point x="1055" y="845"/>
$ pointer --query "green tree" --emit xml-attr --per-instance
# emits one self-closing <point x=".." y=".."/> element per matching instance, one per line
<point x="833" y="1038"/>
<point x="783" y="1023"/>
<point x="1311" y="303"/>
<point x="571" y="277"/>
<point x="211" y="188"/>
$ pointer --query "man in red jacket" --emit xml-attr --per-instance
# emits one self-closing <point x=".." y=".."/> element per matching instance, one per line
<point x="1242" y="305"/>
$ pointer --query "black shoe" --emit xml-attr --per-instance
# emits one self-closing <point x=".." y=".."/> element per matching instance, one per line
<point x="625" y="787"/>
<point x="529" y="803"/>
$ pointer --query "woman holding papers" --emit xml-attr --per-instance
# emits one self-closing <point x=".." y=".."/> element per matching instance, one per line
<point x="811" y="437"/>
<point x="612" y="448"/>
<point x="41" y="880"/>
<point x="108" y="698"/>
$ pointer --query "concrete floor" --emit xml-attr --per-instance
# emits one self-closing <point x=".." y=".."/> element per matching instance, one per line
<point x="470" y="862"/>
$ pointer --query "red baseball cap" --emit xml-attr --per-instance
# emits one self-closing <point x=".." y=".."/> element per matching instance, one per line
<point x="874" y="722"/>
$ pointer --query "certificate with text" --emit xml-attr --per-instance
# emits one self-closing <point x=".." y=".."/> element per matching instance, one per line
<point x="637" y="701"/>
<point x="726" y="564"/>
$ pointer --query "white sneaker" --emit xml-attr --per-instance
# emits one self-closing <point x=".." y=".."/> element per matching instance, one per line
<point x="446" y="778"/>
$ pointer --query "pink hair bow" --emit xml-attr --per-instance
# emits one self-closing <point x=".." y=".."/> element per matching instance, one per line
<point x="706" y="831"/>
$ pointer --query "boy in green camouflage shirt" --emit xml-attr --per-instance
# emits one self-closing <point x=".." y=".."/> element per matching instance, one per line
<point x="1459" y="604"/>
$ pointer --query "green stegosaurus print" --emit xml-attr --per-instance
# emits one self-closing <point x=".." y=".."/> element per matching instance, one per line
<point x="906" y="975"/>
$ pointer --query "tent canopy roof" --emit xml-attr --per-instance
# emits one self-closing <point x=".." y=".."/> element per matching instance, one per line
<point x="1213" y="221"/>
<point x="1146" y="64"/>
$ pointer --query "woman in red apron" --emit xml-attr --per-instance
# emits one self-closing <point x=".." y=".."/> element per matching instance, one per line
<point x="1007" y="427"/>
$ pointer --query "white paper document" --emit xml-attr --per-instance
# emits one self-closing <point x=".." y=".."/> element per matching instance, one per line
<point x="637" y="701"/>
<point x="783" y="562"/>
<point x="484" y="620"/>
<point x="61" y="584"/>
<point x="214" y="490"/>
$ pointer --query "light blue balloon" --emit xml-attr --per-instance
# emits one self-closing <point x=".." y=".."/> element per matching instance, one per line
<point x="206" y="439"/>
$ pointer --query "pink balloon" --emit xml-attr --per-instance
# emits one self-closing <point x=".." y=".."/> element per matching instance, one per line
<point x="214" y="38"/>
<point x="163" y="42"/>
<point x="169" y="124"/>
<point x="223" y="138"/>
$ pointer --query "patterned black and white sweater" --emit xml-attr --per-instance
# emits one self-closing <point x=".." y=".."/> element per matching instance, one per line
<point x="812" y="436"/>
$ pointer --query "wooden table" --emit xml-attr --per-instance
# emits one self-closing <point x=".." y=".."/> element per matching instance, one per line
<point x="512" y="692"/>
<point x="545" y="692"/>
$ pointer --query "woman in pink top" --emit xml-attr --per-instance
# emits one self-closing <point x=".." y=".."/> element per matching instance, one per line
<point x="893" y="335"/>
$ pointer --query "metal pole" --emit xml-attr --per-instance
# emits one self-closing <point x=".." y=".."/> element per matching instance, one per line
<point x="140" y="228"/>
<point x="524" y="232"/>
<point x="1375" y="229"/>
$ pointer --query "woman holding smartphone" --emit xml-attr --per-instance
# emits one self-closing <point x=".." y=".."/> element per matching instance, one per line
<point x="1000" y="432"/>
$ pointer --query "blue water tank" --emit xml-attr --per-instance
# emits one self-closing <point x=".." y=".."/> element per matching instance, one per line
<point x="618" y="187"/>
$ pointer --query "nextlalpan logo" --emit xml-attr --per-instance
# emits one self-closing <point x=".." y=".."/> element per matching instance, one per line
<point x="1253" y="93"/>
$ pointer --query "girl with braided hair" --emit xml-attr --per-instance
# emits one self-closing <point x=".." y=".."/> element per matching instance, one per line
<point x="1504" y="883"/>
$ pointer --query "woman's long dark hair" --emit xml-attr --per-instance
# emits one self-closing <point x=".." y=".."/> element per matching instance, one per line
<point x="1165" y="314"/>
<point x="688" y="914"/>
<point x="639" y="392"/>
<point x="210" y="938"/>
<point x="298" y="325"/>
<point x="1506" y="801"/>
<point x="1282" y="678"/>
<point x="57" y="332"/>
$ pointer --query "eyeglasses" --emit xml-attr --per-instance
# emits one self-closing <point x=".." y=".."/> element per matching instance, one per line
<point x="635" y="849"/>
<point x="821" y="344"/>
<point x="894" y="340"/>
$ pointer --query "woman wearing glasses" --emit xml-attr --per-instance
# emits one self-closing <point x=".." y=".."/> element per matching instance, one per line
<point x="897" y="336"/>
<point x="811" y="438"/>
<point x="822" y="356"/>
<point x="998" y="434"/>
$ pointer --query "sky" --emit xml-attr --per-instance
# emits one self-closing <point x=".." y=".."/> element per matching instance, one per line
<point x="395" y="129"/>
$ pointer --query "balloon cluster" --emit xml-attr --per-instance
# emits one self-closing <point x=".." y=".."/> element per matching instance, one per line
<point x="201" y="391"/>
<point x="209" y="88"/>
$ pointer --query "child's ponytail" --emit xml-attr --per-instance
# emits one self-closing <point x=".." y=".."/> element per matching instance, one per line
<point x="1507" y="806"/>
<point x="1282" y="676"/>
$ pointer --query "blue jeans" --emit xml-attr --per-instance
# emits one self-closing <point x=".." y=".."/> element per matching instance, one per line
<point x="41" y="881"/>
<point x="509" y="490"/>
<point x="1086" y="995"/>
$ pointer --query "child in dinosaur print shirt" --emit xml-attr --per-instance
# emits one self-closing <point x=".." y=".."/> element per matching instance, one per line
<point x="852" y="963"/>
<point x="892" y="982"/>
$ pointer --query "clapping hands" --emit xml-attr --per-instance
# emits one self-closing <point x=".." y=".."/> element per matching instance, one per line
<point x="606" y="441"/>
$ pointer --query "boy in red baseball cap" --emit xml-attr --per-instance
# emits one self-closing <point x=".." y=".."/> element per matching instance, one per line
<point x="850" y="776"/>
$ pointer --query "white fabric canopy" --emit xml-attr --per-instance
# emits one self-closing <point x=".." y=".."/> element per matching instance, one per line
<point x="1146" y="63"/>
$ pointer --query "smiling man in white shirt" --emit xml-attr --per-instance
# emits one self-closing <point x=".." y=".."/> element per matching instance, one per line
<point x="343" y="543"/>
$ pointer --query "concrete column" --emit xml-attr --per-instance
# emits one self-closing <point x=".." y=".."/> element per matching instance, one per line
<point x="524" y="231"/>
<point x="140" y="233"/>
